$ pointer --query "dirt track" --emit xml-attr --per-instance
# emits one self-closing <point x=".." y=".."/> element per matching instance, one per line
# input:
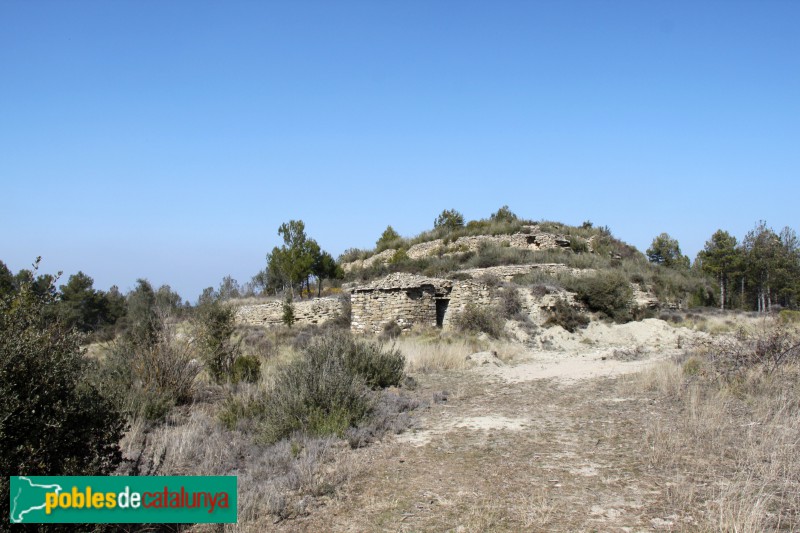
<point x="509" y="451"/>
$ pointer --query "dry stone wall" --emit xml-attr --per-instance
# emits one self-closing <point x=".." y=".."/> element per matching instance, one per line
<point x="463" y="294"/>
<point x="372" y="310"/>
<point x="405" y="299"/>
<point x="316" y="311"/>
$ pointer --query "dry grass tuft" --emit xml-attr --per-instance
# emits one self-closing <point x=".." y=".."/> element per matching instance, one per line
<point x="728" y="448"/>
<point x="425" y="355"/>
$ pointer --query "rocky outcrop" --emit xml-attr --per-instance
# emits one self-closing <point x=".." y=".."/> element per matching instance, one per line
<point x="508" y="272"/>
<point x="381" y="258"/>
<point x="529" y="239"/>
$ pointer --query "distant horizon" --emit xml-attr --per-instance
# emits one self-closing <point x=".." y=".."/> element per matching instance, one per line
<point x="215" y="285"/>
<point x="168" y="141"/>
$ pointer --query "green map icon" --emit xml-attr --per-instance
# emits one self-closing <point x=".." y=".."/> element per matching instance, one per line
<point x="28" y="499"/>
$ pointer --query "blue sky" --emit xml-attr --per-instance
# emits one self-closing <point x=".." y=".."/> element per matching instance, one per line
<point x="169" y="140"/>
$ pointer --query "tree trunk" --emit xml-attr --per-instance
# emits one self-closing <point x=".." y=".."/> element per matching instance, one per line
<point x="722" y="292"/>
<point x="319" y="287"/>
<point x="741" y="303"/>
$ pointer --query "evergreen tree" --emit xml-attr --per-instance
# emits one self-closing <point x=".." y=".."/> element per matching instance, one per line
<point x="449" y="219"/>
<point x="387" y="239"/>
<point x="721" y="259"/>
<point x="325" y="267"/>
<point x="665" y="251"/>
<point x="81" y="306"/>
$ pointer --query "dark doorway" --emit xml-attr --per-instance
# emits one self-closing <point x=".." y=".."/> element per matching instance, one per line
<point x="441" y="308"/>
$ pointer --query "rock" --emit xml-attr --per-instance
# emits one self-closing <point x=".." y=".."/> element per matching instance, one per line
<point x="484" y="358"/>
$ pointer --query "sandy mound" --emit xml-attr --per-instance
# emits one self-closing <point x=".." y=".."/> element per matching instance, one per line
<point x="652" y="333"/>
<point x="600" y="350"/>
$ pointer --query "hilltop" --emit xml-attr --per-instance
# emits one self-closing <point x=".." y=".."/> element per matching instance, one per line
<point x="506" y="275"/>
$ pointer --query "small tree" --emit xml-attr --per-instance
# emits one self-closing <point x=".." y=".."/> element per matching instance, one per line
<point x="504" y="214"/>
<point x="325" y="267"/>
<point x="291" y="263"/>
<point x="387" y="239"/>
<point x="142" y="318"/>
<point x="81" y="306"/>
<point x="53" y="421"/>
<point x="6" y="280"/>
<point x="721" y="259"/>
<point x="229" y="288"/>
<point x="449" y="219"/>
<point x="665" y="251"/>
<point x="288" y="312"/>
<point x="215" y="327"/>
<point x="168" y="302"/>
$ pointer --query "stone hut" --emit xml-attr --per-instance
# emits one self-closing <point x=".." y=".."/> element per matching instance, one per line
<point x="406" y="299"/>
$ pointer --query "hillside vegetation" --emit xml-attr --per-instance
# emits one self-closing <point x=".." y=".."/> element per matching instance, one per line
<point x="158" y="386"/>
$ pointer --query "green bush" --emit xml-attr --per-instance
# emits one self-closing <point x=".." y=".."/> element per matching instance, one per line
<point x="578" y="245"/>
<point x="53" y="421"/>
<point x="399" y="257"/>
<point x="215" y="326"/>
<point x="477" y="319"/>
<point x="566" y="316"/>
<point x="246" y="368"/>
<point x="326" y="390"/>
<point x="380" y="366"/>
<point x="788" y="316"/>
<point x="608" y="293"/>
<point x="288" y="313"/>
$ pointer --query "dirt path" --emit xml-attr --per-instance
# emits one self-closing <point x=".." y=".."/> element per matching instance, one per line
<point x="511" y="449"/>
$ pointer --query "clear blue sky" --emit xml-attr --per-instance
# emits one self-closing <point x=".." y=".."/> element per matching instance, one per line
<point x="169" y="140"/>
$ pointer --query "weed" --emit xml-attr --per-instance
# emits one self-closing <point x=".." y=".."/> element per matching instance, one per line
<point x="566" y="316"/>
<point x="479" y="319"/>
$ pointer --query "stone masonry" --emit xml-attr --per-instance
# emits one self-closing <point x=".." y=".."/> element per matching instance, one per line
<point x="316" y="311"/>
<point x="405" y="299"/>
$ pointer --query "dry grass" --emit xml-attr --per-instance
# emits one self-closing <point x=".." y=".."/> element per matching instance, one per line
<point x="430" y="351"/>
<point x="426" y="355"/>
<point x="274" y="482"/>
<point x="728" y="450"/>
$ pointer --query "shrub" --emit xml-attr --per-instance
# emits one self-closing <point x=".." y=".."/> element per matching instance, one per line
<point x="399" y="257"/>
<point x="477" y="319"/>
<point x="769" y="348"/>
<point x="608" y="293"/>
<point x="693" y="366"/>
<point x="326" y="390"/>
<point x="391" y="330"/>
<point x="449" y="219"/>
<point x="578" y="245"/>
<point x="787" y="316"/>
<point x="53" y="421"/>
<point x="510" y="303"/>
<point x="342" y="321"/>
<point x="149" y="380"/>
<point x="288" y="313"/>
<point x="566" y="316"/>
<point x="214" y="329"/>
<point x="380" y="366"/>
<point x="246" y="368"/>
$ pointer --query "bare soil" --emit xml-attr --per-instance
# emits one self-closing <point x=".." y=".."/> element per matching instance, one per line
<point x="544" y="445"/>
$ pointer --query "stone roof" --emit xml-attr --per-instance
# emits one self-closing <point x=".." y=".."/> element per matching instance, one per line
<point x="403" y="280"/>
